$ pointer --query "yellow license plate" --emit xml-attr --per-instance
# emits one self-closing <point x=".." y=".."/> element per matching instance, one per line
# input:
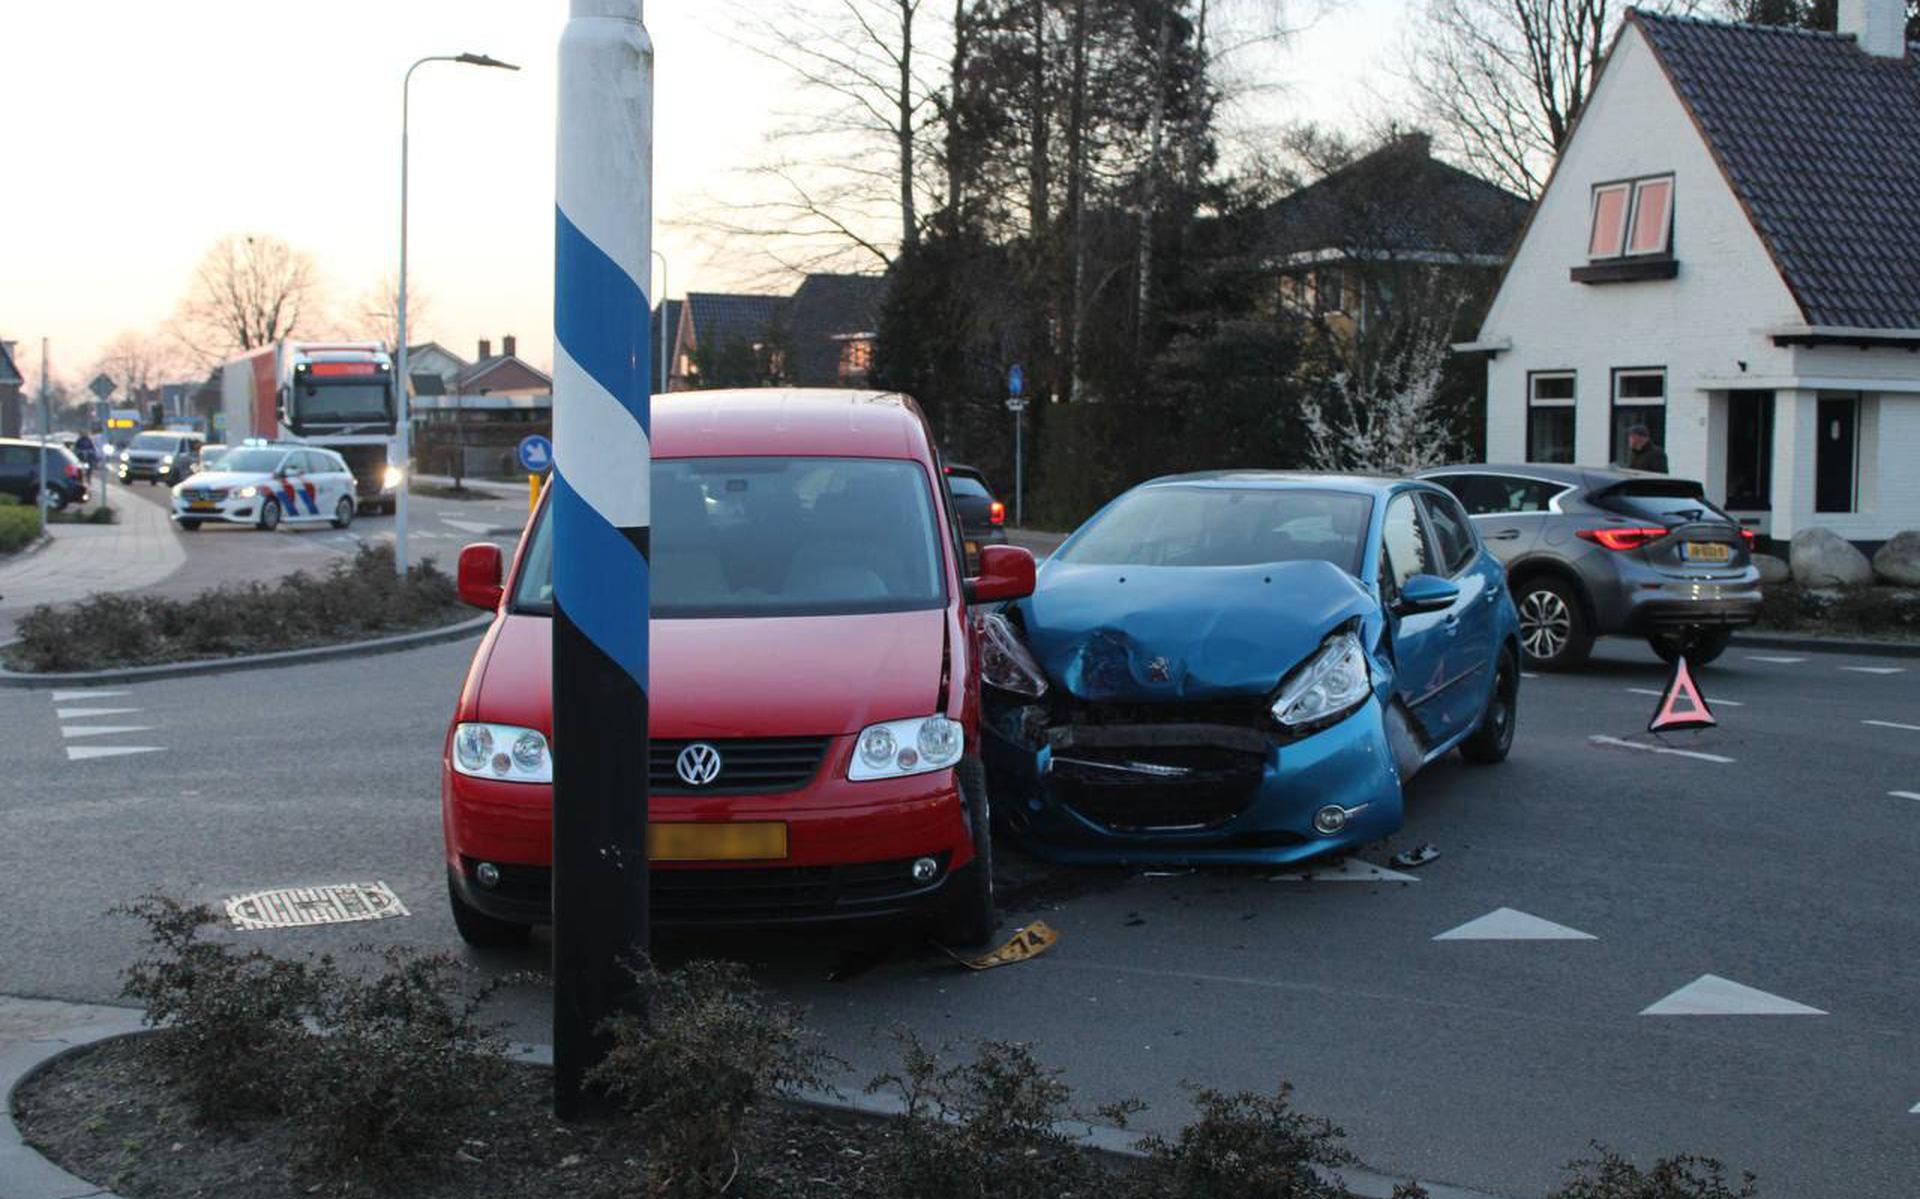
<point x="1706" y="551"/>
<point x="711" y="842"/>
<point x="203" y="506"/>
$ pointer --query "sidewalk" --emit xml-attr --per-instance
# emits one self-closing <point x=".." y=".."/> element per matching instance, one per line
<point x="137" y="551"/>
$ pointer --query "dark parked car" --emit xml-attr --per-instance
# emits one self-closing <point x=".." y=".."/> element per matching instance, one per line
<point x="983" y="519"/>
<point x="20" y="473"/>
<point x="161" y="457"/>
<point x="1592" y="551"/>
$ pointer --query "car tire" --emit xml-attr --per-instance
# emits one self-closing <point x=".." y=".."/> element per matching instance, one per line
<point x="56" y="500"/>
<point x="968" y="917"/>
<point x="480" y="930"/>
<point x="189" y="526"/>
<point x="269" y="514"/>
<point x="1490" y="741"/>
<point x="1701" y="646"/>
<point x="1554" y="631"/>
<point x="343" y="512"/>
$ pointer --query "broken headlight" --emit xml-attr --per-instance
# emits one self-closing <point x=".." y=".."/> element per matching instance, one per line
<point x="1004" y="661"/>
<point x="1331" y="683"/>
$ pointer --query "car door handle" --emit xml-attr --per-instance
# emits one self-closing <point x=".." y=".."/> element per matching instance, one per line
<point x="1503" y="535"/>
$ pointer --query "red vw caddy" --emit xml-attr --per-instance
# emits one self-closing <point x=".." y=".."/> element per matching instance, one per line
<point x="814" y="699"/>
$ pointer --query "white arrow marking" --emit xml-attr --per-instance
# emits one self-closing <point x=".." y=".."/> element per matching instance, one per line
<point x="1905" y="794"/>
<point x="1876" y="669"/>
<point x="1348" y="870"/>
<point x="1711" y="701"/>
<point x="1765" y="658"/>
<point x="83" y="713"/>
<point x="95" y="730"/>
<point x="1914" y="1110"/>
<point x="466" y="526"/>
<point x="1618" y="743"/>
<point x="1711" y="995"/>
<point x="1506" y="924"/>
<point x="85" y="693"/>
<point x="80" y="753"/>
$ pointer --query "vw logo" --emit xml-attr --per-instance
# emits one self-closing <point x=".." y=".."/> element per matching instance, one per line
<point x="698" y="764"/>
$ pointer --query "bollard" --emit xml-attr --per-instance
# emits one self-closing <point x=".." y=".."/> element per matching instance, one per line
<point x="533" y="493"/>
<point x="599" y="510"/>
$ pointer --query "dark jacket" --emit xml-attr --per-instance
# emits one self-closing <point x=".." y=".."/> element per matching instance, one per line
<point x="1648" y="457"/>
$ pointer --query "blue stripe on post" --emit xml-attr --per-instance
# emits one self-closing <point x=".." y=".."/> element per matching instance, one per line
<point x="597" y="578"/>
<point x="601" y="318"/>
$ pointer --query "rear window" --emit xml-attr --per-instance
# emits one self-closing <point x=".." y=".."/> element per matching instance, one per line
<point x="1664" y="500"/>
<point x="741" y="537"/>
<point x="970" y="488"/>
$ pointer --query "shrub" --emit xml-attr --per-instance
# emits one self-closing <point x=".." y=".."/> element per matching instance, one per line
<point x="702" y="1050"/>
<point x="1611" y="1176"/>
<point x="9" y="500"/>
<point x="1860" y="610"/>
<point x="991" y="1126"/>
<point x="19" y="525"/>
<point x="1249" y="1144"/>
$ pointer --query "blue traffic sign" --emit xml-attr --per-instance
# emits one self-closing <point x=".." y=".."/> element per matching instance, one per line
<point x="1016" y="380"/>
<point x="536" y="453"/>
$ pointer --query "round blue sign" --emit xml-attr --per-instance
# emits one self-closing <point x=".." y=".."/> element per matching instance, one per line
<point x="536" y="453"/>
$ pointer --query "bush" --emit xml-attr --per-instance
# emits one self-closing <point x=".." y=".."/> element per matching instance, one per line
<point x="1249" y="1144"/>
<point x="704" y="1048"/>
<point x="86" y="516"/>
<point x="1867" y="611"/>
<point x="1611" y="1176"/>
<point x="360" y="597"/>
<point x="19" y="525"/>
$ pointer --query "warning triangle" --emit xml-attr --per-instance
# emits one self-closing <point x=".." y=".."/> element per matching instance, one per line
<point x="1681" y="704"/>
<point x="1506" y="924"/>
<point x="1711" y="995"/>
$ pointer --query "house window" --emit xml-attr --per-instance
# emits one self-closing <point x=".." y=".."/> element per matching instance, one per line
<point x="1327" y="291"/>
<point x="1550" y="408"/>
<point x="856" y="359"/>
<point x="1639" y="398"/>
<point x="1633" y="218"/>
<point x="1750" y="450"/>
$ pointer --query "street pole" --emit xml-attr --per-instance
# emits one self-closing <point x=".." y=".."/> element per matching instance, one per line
<point x="600" y="513"/>
<point x="1019" y="467"/>
<point x="404" y="383"/>
<point x="46" y="425"/>
<point x="665" y="291"/>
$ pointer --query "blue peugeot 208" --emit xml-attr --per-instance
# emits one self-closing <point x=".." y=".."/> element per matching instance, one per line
<point x="1245" y="667"/>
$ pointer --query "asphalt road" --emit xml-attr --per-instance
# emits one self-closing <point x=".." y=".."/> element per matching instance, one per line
<point x="1783" y="860"/>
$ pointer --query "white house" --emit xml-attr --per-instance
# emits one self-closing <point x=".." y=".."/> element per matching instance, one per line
<point x="1728" y="251"/>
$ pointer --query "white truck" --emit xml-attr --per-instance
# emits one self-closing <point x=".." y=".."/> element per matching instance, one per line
<point x="337" y="394"/>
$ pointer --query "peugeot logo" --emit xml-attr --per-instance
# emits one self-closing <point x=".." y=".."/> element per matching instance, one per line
<point x="698" y="764"/>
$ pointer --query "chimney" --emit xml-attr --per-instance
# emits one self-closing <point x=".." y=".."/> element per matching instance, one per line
<point x="506" y="345"/>
<point x="1879" y="26"/>
<point x="486" y="349"/>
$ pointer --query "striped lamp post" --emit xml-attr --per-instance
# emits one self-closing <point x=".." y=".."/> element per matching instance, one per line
<point x="602" y="251"/>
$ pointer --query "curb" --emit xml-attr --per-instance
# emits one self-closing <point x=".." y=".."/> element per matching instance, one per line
<point x="24" y="1174"/>
<point x="1828" y="645"/>
<point x="28" y="550"/>
<point x="457" y="631"/>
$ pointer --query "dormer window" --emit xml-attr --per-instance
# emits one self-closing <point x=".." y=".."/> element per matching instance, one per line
<point x="1631" y="234"/>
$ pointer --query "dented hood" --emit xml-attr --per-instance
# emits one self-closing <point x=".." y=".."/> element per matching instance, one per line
<point x="1142" y="634"/>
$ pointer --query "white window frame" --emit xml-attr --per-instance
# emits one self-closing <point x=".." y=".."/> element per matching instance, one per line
<point x="1635" y="191"/>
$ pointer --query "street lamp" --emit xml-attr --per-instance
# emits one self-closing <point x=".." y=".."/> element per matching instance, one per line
<point x="406" y="380"/>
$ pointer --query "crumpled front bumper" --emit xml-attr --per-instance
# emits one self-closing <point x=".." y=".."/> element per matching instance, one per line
<point x="1173" y="792"/>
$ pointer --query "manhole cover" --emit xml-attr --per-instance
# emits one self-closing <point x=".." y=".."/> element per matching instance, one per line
<point x="296" y="907"/>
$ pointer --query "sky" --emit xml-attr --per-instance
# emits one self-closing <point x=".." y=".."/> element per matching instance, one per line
<point x="138" y="133"/>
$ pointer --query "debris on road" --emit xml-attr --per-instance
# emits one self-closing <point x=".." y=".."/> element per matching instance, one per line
<point x="1028" y="942"/>
<point x="300" y="907"/>
<point x="1419" y="855"/>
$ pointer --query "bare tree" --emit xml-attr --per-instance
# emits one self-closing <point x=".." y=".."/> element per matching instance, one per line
<point x="378" y="311"/>
<point x="249" y="290"/>
<point x="142" y="361"/>
<point x="1389" y="419"/>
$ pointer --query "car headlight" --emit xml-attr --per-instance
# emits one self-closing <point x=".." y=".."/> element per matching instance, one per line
<point x="1330" y="684"/>
<point x="502" y="751"/>
<point x="392" y="479"/>
<point x="1004" y="660"/>
<point x="902" y="747"/>
<point x="246" y="493"/>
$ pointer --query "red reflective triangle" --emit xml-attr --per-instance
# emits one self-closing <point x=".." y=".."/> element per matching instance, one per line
<point x="1682" y="706"/>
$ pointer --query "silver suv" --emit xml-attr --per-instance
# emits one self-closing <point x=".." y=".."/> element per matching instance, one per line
<point x="1591" y="551"/>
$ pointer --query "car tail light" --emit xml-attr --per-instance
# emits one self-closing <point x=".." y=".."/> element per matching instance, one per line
<point x="73" y="472"/>
<point x="1616" y="538"/>
<point x="996" y="513"/>
<point x="1747" y="535"/>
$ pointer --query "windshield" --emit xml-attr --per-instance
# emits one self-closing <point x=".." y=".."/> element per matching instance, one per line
<point x="777" y="537"/>
<point x="1223" y="526"/>
<point x="155" y="441"/>
<point x="340" y="402"/>
<point x="252" y="461"/>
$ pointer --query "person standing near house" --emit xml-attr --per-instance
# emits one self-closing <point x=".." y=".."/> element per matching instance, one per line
<point x="1642" y="453"/>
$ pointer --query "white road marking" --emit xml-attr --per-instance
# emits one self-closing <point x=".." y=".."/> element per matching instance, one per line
<point x="1660" y="749"/>
<point x="468" y="526"/>
<point x="1349" y="870"/>
<point x="1893" y="724"/>
<point x="1506" y="924"/>
<point x="1528" y="675"/>
<point x="67" y="697"/>
<point x="1711" y="701"/>
<point x="1768" y="658"/>
<point x="80" y="753"/>
<point x="1914" y="1110"/>
<point x="95" y="730"/>
<point x="1905" y="794"/>
<point x="1876" y="669"/>
<point x="1711" y="995"/>
<point x="83" y="713"/>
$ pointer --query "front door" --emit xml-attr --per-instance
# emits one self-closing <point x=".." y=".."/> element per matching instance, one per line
<point x="1834" y="466"/>
<point x="1749" y="451"/>
<point x="1420" y="639"/>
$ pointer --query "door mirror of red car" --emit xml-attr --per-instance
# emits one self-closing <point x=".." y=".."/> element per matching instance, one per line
<point x="1006" y="573"/>
<point x="481" y="567"/>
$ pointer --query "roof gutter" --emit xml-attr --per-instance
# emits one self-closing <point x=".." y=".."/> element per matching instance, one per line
<point x="1810" y="336"/>
<point x="1492" y="347"/>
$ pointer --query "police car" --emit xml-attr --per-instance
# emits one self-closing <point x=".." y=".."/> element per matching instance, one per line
<point x="265" y="484"/>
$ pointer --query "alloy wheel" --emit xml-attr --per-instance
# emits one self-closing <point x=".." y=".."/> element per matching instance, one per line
<point x="1545" y="624"/>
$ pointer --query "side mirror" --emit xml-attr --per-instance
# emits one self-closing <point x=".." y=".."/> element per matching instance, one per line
<point x="481" y="569"/>
<point x="1006" y="573"/>
<point x="1426" y="593"/>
